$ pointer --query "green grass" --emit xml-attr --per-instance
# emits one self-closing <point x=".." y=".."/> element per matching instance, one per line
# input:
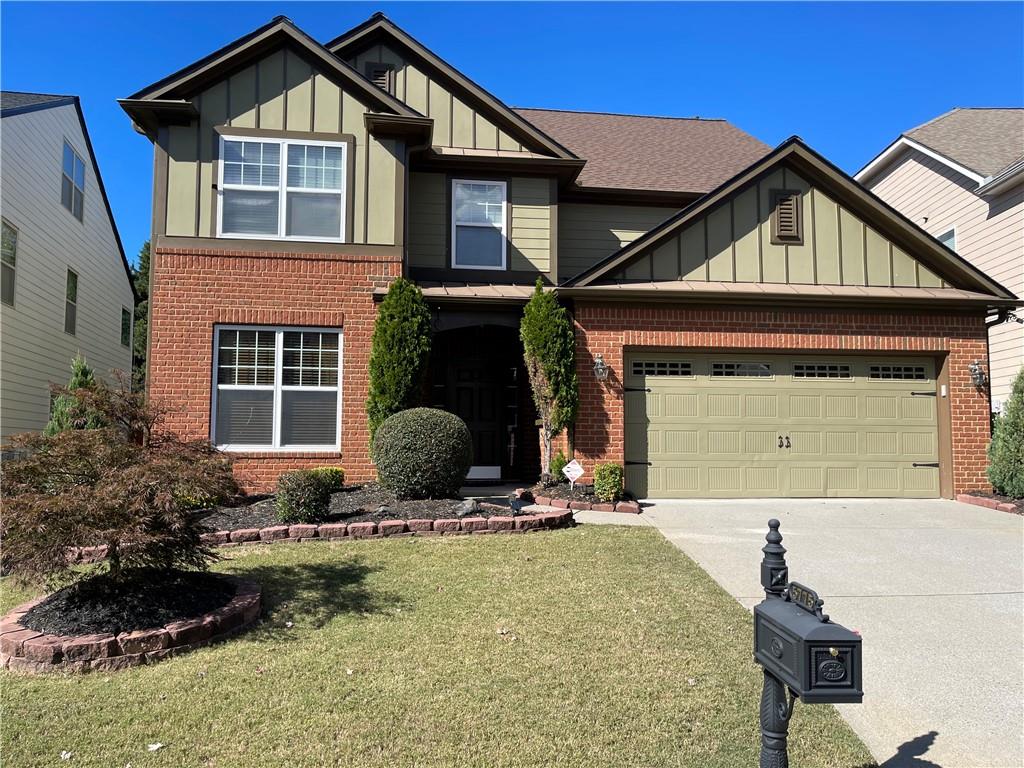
<point x="586" y="647"/>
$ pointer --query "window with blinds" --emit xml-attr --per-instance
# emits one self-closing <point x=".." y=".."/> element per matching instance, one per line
<point x="277" y="389"/>
<point x="787" y="224"/>
<point x="478" y="224"/>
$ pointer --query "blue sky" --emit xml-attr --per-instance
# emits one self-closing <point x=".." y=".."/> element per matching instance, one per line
<point x="853" y="75"/>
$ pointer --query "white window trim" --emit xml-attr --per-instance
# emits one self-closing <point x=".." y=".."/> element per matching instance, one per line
<point x="277" y="388"/>
<point x="85" y="173"/>
<point x="13" y="267"/>
<point x="504" y="224"/>
<point x="282" y="189"/>
<point x="69" y="271"/>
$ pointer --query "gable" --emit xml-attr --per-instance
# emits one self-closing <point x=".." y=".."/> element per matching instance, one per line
<point x="465" y="115"/>
<point x="732" y="242"/>
<point x="281" y="91"/>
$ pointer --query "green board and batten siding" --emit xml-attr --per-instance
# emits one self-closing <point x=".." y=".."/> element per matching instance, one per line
<point x="456" y="124"/>
<point x="280" y="92"/>
<point x="531" y="206"/>
<point x="808" y="425"/>
<point x="589" y="232"/>
<point x="733" y="243"/>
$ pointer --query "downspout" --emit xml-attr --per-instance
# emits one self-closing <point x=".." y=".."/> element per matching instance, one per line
<point x="1001" y="316"/>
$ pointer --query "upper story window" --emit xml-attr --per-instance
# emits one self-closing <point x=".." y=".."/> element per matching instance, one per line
<point x="478" y="224"/>
<point x="282" y="189"/>
<point x="126" y="327"/>
<point x="948" y="239"/>
<point x="71" y="303"/>
<point x="72" y="182"/>
<point x="8" y="262"/>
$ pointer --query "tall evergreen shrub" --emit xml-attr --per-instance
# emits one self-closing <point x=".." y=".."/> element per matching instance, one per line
<point x="1006" y="452"/>
<point x="65" y="412"/>
<point x="549" y="350"/>
<point x="399" y="353"/>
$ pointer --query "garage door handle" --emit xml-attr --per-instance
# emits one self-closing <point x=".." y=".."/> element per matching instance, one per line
<point x="925" y="464"/>
<point x="924" y="394"/>
<point x="636" y="389"/>
<point x="638" y="464"/>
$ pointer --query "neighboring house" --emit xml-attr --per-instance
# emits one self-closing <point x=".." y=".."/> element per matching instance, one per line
<point x="67" y="287"/>
<point x="767" y="327"/>
<point x="960" y="177"/>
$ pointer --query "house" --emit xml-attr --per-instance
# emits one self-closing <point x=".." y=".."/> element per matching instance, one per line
<point x="750" y="322"/>
<point x="960" y="177"/>
<point x="67" y="287"/>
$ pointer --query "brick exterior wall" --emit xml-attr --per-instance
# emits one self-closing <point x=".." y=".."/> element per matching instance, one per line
<point x="613" y="329"/>
<point x="193" y="290"/>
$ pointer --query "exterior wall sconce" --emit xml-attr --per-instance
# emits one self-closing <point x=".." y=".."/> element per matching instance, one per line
<point x="600" y="368"/>
<point x="978" y="377"/>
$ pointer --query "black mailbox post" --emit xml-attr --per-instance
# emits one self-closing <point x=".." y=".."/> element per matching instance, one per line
<point x="800" y="649"/>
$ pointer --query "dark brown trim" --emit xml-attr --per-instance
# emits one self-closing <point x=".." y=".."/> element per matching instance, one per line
<point x="553" y="233"/>
<point x="276" y="247"/>
<point x="487" y="276"/>
<point x="370" y="69"/>
<point x="397" y="125"/>
<point x="564" y="170"/>
<point x="776" y="196"/>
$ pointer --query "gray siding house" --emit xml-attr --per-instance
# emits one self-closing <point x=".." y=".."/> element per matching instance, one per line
<point x="66" y="285"/>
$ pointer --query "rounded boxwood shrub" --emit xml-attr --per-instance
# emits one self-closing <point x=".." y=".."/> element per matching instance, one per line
<point x="334" y="477"/>
<point x="423" y="453"/>
<point x="608" y="482"/>
<point x="303" y="496"/>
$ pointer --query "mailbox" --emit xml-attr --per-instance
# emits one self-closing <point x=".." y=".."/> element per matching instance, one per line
<point x="817" y="659"/>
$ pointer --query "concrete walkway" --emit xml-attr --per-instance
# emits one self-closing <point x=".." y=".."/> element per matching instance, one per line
<point x="935" y="587"/>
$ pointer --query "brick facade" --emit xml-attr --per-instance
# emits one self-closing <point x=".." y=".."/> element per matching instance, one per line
<point x="614" y="329"/>
<point x="193" y="290"/>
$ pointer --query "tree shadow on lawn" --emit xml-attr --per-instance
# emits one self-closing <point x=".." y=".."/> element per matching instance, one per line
<point x="314" y="593"/>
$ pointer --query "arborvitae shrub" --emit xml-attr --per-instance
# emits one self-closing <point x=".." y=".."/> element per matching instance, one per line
<point x="65" y="412"/>
<point x="557" y="465"/>
<point x="1006" y="452"/>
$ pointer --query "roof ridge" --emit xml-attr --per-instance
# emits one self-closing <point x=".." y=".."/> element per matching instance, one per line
<point x="623" y="114"/>
<point x="947" y="113"/>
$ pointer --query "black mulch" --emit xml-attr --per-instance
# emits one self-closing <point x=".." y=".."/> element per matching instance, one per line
<point x="1018" y="503"/>
<point x="357" y="504"/>
<point x="561" y="491"/>
<point x="147" y="600"/>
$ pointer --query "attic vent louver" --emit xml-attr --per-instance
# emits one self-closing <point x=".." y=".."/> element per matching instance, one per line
<point x="787" y="219"/>
<point x="381" y="75"/>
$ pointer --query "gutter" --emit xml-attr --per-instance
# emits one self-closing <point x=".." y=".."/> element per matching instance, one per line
<point x="1003" y="180"/>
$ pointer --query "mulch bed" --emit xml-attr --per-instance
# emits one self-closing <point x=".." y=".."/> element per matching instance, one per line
<point x="562" y="491"/>
<point x="1018" y="504"/>
<point x="150" y="599"/>
<point x="358" y="504"/>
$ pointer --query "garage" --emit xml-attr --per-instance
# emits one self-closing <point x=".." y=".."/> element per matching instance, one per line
<point x="768" y="425"/>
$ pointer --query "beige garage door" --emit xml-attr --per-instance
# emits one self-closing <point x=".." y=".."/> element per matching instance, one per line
<point x="708" y="426"/>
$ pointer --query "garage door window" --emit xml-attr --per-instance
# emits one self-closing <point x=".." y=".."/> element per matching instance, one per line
<point x="662" y="368"/>
<point x="897" y="372"/>
<point x="741" y="370"/>
<point x="821" y="371"/>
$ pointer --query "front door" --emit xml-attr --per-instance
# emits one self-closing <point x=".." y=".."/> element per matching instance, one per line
<point x="475" y="395"/>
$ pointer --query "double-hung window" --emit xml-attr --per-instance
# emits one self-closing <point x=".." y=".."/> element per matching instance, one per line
<point x="72" y="182"/>
<point x="283" y="189"/>
<point x="478" y="224"/>
<point x="276" y="388"/>
<point x="71" y="303"/>
<point x="8" y="262"/>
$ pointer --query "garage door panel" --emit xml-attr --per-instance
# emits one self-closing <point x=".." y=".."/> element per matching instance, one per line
<point x="852" y="426"/>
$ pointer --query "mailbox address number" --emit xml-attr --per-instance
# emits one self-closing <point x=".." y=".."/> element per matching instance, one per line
<point x="806" y="598"/>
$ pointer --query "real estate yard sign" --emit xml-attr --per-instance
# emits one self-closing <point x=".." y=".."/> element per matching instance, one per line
<point x="574" y="471"/>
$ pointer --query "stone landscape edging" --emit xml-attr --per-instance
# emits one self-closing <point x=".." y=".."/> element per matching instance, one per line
<point x="985" y="501"/>
<point x="629" y="507"/>
<point x="26" y="650"/>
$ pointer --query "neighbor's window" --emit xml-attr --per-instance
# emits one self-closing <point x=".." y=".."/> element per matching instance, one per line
<point x="71" y="303"/>
<point x="72" y="182"/>
<point x="8" y="262"/>
<point x="478" y="224"/>
<point x="126" y="327"/>
<point x="276" y="388"/>
<point x="282" y="189"/>
<point x="948" y="239"/>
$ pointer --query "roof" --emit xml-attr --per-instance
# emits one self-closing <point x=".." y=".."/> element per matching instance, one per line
<point x="984" y="140"/>
<point x="22" y="103"/>
<point x="19" y="102"/>
<point x="794" y="152"/>
<point x="639" y="152"/>
<point x="470" y="291"/>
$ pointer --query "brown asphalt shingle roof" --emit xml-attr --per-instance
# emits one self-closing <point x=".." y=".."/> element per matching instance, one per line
<point x="984" y="140"/>
<point x="670" y="154"/>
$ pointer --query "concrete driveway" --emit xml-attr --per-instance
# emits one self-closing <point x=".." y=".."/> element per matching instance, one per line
<point x="935" y="587"/>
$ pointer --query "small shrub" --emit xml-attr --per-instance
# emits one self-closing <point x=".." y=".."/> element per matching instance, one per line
<point x="1006" y="452"/>
<point x="608" y="482"/>
<point x="66" y="411"/>
<point x="423" y="453"/>
<point x="557" y="465"/>
<point x="333" y="476"/>
<point x="303" y="496"/>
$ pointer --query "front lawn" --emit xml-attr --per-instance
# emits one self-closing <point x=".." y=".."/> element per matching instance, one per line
<point x="587" y="647"/>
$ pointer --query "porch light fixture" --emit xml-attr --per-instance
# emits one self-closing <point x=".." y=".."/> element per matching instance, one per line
<point x="600" y="368"/>
<point x="978" y="377"/>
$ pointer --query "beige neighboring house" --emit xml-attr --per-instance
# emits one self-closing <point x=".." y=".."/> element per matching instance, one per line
<point x="66" y="285"/>
<point x="960" y="177"/>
